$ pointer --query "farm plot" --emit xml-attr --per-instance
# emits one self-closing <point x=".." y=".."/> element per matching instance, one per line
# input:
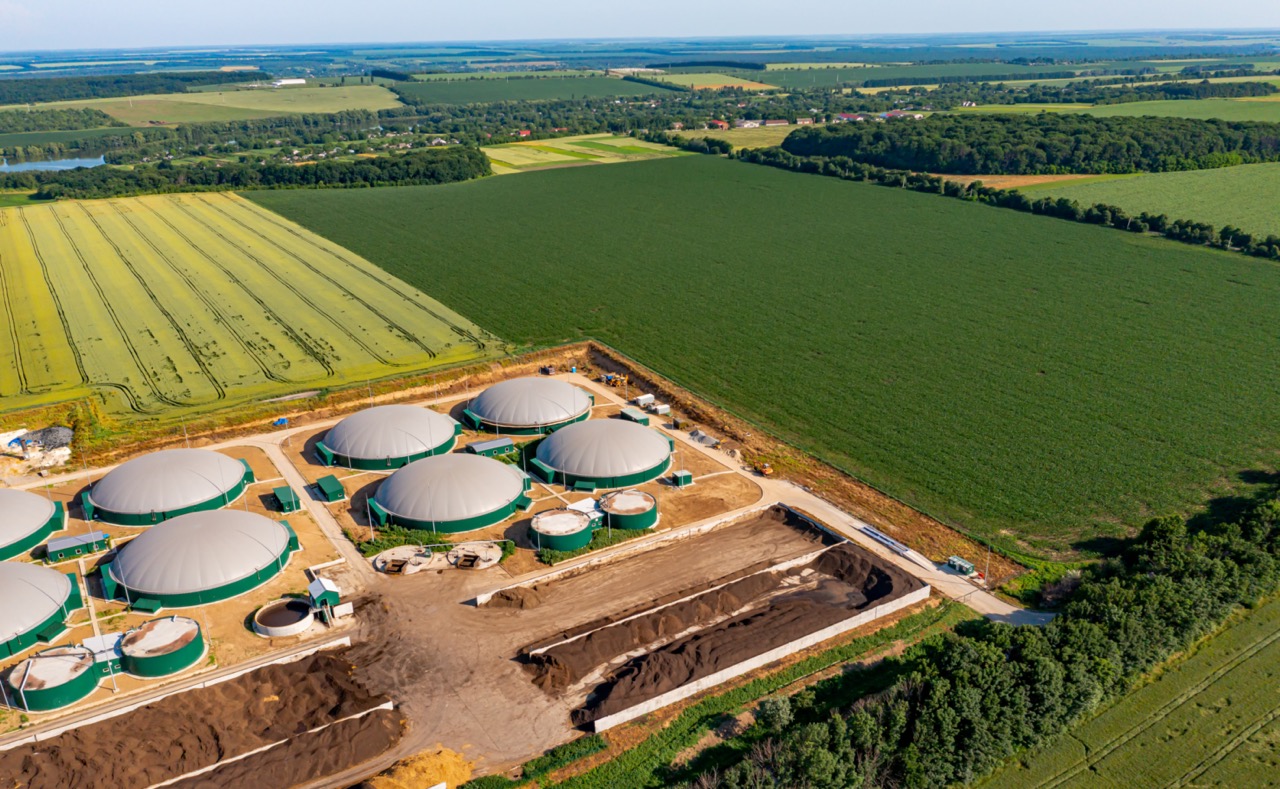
<point x="1016" y="375"/>
<point x="525" y="89"/>
<point x="714" y="81"/>
<point x="195" y="302"/>
<point x="1243" y="196"/>
<point x="1211" y="720"/>
<point x="586" y="149"/>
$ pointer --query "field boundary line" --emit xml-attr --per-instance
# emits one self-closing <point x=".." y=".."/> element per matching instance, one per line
<point x="10" y="319"/>
<point x="1227" y="748"/>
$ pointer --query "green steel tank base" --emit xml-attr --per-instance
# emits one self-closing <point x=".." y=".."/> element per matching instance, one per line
<point x="162" y="647"/>
<point x="561" y="530"/>
<point x="630" y="509"/>
<point x="53" y="679"/>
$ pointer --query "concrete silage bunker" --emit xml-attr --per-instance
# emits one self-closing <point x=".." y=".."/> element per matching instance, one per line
<point x="388" y="436"/>
<point x="26" y="520"/>
<point x="36" y="604"/>
<point x="528" y="407"/>
<point x="154" y="488"/>
<point x="450" y="493"/>
<point x="200" y="558"/>
<point x="603" y="453"/>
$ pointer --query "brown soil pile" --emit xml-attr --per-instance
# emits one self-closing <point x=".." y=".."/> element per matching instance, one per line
<point x="523" y="597"/>
<point x="189" y="731"/>
<point x="837" y="584"/>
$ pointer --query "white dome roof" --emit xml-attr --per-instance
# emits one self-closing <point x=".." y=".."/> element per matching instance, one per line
<point x="167" y="480"/>
<point x="450" y="488"/>
<point x="31" y="595"/>
<point x="200" y="551"/>
<point x="390" y="431"/>
<point x="22" y="513"/>
<point x="604" y="448"/>
<point x="530" y="402"/>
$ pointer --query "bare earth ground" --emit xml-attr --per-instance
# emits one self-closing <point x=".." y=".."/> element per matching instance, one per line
<point x="1012" y="181"/>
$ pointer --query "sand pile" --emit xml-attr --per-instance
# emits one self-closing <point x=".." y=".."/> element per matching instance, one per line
<point x="192" y="730"/>
<point x="767" y="611"/>
<point x="523" y="597"/>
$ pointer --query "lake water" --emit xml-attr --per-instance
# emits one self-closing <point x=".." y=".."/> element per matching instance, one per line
<point x="50" y="164"/>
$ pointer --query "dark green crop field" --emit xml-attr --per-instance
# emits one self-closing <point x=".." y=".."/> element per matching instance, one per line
<point x="543" y="88"/>
<point x="1013" y="374"/>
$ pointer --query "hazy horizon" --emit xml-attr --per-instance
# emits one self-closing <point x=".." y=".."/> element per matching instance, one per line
<point x="28" y="25"/>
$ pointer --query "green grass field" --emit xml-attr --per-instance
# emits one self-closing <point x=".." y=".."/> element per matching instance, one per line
<point x="1212" y="719"/>
<point x="455" y="76"/>
<point x="705" y="80"/>
<point x="177" y="305"/>
<point x="762" y="137"/>
<point x="1224" y="109"/>
<point x="1001" y="370"/>
<point x="198" y="106"/>
<point x="583" y="149"/>
<point x="1243" y="196"/>
<point x="485" y="90"/>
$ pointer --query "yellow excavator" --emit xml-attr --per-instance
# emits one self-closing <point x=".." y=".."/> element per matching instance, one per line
<point x="616" y="381"/>
<point x="764" y="469"/>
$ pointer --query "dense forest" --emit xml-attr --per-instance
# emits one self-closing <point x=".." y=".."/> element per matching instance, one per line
<point x="1094" y="92"/>
<point x="429" y="166"/>
<point x="12" y="121"/>
<point x="26" y="91"/>
<point x="1041" y="144"/>
<point x="990" y="690"/>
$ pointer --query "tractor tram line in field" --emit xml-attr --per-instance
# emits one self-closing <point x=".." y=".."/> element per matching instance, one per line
<point x="289" y="286"/>
<point x="373" y="310"/>
<point x="11" y="320"/>
<point x="200" y="293"/>
<point x="461" y="331"/>
<point x="194" y="350"/>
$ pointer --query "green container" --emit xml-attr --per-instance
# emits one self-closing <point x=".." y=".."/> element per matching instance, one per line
<point x="630" y="509"/>
<point x="561" y="530"/>
<point x="53" y="679"/>
<point x="162" y="647"/>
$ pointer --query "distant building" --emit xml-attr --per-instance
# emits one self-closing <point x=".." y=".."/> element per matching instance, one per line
<point x="777" y="123"/>
<point x="804" y="121"/>
<point x="281" y="83"/>
<point x="894" y="115"/>
<point x="523" y="133"/>
<point x="746" y="124"/>
<point x="847" y="117"/>
<point x="714" y="124"/>
<point x="677" y="126"/>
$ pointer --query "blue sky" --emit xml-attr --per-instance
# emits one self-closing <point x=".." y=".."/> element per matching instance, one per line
<point x="66" y="24"/>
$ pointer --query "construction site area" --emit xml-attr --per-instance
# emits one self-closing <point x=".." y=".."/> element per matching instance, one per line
<point x="494" y="571"/>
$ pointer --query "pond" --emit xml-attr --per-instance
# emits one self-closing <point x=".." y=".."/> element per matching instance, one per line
<point x="50" y="164"/>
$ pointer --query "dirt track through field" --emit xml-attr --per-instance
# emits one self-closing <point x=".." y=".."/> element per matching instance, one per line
<point x="194" y="730"/>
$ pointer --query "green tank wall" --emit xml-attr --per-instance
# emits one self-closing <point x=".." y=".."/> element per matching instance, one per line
<point x="366" y="464"/>
<point x="46" y="699"/>
<point x="451" y="527"/>
<point x="561" y="542"/>
<point x="152" y="518"/>
<point x="156" y="666"/>
<point x="57" y="522"/>
<point x="639" y="520"/>
<point x="624" y="481"/>
<point x="476" y="423"/>
<point x="24" y="641"/>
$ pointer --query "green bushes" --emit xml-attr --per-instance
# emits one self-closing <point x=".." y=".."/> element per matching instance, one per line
<point x="603" y="538"/>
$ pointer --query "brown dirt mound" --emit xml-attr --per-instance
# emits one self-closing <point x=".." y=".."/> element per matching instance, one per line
<point x="189" y="731"/>
<point x="523" y="597"/>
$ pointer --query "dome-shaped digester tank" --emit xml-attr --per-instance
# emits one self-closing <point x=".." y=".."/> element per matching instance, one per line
<point x="528" y="406"/>
<point x="154" y="488"/>
<point x="630" y="509"/>
<point x="201" y="558"/>
<point x="388" y="436"/>
<point x="26" y="520"/>
<point x="450" y="493"/>
<point x="53" y="679"/>
<point x="603" y="453"/>
<point x="560" y="530"/>
<point x="34" y="603"/>
<point x="162" y="647"/>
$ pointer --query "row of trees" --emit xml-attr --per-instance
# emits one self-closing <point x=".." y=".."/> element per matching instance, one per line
<point x="430" y="166"/>
<point x="1042" y="144"/>
<point x="28" y="91"/>
<point x="1096" y="92"/>
<point x="990" y="690"/>
<point x="1183" y="230"/>
<point x="13" y="121"/>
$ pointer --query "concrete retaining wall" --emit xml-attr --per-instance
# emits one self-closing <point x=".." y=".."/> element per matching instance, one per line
<point x="711" y="680"/>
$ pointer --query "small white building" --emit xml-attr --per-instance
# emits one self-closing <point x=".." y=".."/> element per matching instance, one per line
<point x="284" y="83"/>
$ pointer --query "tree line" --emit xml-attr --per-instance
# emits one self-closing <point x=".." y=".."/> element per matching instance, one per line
<point x="1186" y="231"/>
<point x="1094" y="92"/>
<point x="14" y="121"/>
<point x="21" y="90"/>
<point x="427" y="166"/>
<point x="971" y="699"/>
<point x="1046" y="143"/>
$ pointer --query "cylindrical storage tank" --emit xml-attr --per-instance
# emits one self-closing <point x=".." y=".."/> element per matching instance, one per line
<point x="153" y="488"/>
<point x="561" y="530"/>
<point x="630" y="509"/>
<point x="450" y="493"/>
<point x="35" y="599"/>
<point x="162" y="647"/>
<point x="26" y="520"/>
<point x="528" y="406"/>
<point x="53" y="679"/>
<point x="606" y="453"/>
<point x="388" y="436"/>
<point x="283" y="618"/>
<point x="202" y="558"/>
